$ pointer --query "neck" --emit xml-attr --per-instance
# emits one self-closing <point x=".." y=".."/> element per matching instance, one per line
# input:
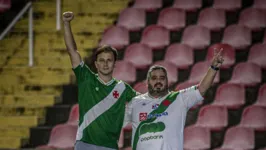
<point x="105" y="78"/>
<point x="158" y="95"/>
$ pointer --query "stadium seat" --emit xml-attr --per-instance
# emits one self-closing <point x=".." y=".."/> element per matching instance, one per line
<point x="252" y="18"/>
<point x="139" y="55"/>
<point x="197" y="37"/>
<point x="5" y="5"/>
<point x="212" y="117"/>
<point x="171" y="71"/>
<point x="180" y="55"/>
<point x="238" y="138"/>
<point x="128" y="69"/>
<point x="247" y="74"/>
<point x="213" y="19"/>
<point x="237" y="36"/>
<point x="132" y="19"/>
<point x="187" y="5"/>
<point x="254" y="117"/>
<point x="172" y="19"/>
<point x="117" y="37"/>
<point x="196" y="138"/>
<point x="156" y="37"/>
<point x="229" y="95"/>
<point x="141" y="87"/>
<point x="257" y="54"/>
<point x="148" y="5"/>
<point x="261" y="99"/>
<point x="74" y="115"/>
<point x="228" y="54"/>
<point x="183" y="85"/>
<point x="259" y="4"/>
<point x="228" y="5"/>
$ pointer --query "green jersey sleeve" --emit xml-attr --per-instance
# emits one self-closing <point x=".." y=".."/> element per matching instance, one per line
<point x="131" y="93"/>
<point x="82" y="72"/>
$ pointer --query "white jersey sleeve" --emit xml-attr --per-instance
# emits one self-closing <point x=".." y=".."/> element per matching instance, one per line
<point x="191" y="96"/>
<point x="128" y="114"/>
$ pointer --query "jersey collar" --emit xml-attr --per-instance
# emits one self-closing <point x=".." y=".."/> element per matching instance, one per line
<point x="158" y="98"/>
<point x="106" y="83"/>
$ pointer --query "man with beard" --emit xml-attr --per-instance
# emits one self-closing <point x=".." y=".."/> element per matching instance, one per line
<point x="158" y="117"/>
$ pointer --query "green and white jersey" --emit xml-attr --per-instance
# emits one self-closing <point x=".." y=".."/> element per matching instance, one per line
<point x="158" y="124"/>
<point x="101" y="107"/>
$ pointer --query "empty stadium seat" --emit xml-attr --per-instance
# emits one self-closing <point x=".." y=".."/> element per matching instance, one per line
<point x="117" y="37"/>
<point x="213" y="19"/>
<point x="148" y="5"/>
<point x="188" y="5"/>
<point x="247" y="74"/>
<point x="139" y="55"/>
<point x="180" y="55"/>
<point x="183" y="85"/>
<point x="228" y="5"/>
<point x="259" y="4"/>
<point x="261" y="99"/>
<point x="254" y="117"/>
<point x="171" y="71"/>
<point x="237" y="36"/>
<point x="197" y="37"/>
<point x="132" y="19"/>
<point x="125" y="71"/>
<point x="5" y="5"/>
<point x="172" y="19"/>
<point x="228" y="54"/>
<point x="229" y="95"/>
<point x="257" y="54"/>
<point x="196" y="138"/>
<point x="252" y="18"/>
<point x="141" y="87"/>
<point x="212" y="117"/>
<point x="156" y="37"/>
<point x="74" y="115"/>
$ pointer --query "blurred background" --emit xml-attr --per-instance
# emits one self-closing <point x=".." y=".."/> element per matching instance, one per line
<point x="38" y="92"/>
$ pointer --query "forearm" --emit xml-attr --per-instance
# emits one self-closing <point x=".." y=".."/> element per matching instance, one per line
<point x="69" y="39"/>
<point x="207" y="81"/>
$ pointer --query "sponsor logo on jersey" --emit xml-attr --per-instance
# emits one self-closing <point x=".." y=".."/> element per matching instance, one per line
<point x="154" y="137"/>
<point x="143" y="116"/>
<point x="155" y="106"/>
<point x="157" y="115"/>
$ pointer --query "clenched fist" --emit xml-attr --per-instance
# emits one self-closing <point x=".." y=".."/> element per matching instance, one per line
<point x="68" y="16"/>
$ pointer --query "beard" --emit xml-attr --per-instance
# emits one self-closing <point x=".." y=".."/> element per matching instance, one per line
<point x="157" y="91"/>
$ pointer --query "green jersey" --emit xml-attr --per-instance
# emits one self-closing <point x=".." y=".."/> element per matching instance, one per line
<point x="101" y="107"/>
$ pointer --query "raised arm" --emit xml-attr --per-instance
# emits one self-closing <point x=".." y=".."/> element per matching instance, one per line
<point x="69" y="40"/>
<point x="207" y="80"/>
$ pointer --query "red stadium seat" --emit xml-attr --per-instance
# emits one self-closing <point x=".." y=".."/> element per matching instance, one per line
<point x="257" y="55"/>
<point x="148" y="5"/>
<point x="139" y="55"/>
<point x="237" y="36"/>
<point x="117" y="37"/>
<point x="252" y="18"/>
<point x="259" y="4"/>
<point x="172" y="19"/>
<point x="254" y="117"/>
<point x="228" y="53"/>
<point x="228" y="5"/>
<point x="196" y="138"/>
<point x="141" y="87"/>
<point x="183" y="85"/>
<point x="5" y="5"/>
<point x="261" y="100"/>
<point x="125" y="71"/>
<point x="212" y="117"/>
<point x="247" y="74"/>
<point x="229" y="95"/>
<point x="213" y="19"/>
<point x="156" y="37"/>
<point x="197" y="37"/>
<point x="180" y="55"/>
<point x="74" y="115"/>
<point x="132" y="19"/>
<point x="171" y="71"/>
<point x="188" y="5"/>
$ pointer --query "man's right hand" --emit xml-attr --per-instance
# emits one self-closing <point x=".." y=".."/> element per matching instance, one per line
<point x="68" y="16"/>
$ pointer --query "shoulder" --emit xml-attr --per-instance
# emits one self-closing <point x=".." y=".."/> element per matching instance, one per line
<point x="140" y="98"/>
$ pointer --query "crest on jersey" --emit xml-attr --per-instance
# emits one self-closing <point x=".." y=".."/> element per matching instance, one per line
<point x="143" y="116"/>
<point x="116" y="94"/>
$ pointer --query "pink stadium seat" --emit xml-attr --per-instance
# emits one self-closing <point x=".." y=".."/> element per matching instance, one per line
<point x="196" y="138"/>
<point x="247" y="74"/>
<point x="198" y="71"/>
<point x="197" y="37"/>
<point x="139" y="55"/>
<point x="132" y="19"/>
<point x="259" y="4"/>
<point x="183" y="85"/>
<point x="252" y="18"/>
<point x="257" y="55"/>
<point x="5" y="5"/>
<point x="254" y="117"/>
<point x="121" y="139"/>
<point x="237" y="36"/>
<point x="125" y="71"/>
<point x="74" y="115"/>
<point x="141" y="87"/>
<point x="228" y="5"/>
<point x="229" y="95"/>
<point x="261" y="100"/>
<point x="117" y="37"/>
<point x="148" y="5"/>
<point x="239" y="138"/>
<point x="228" y="53"/>
<point x="156" y="37"/>
<point x="212" y="117"/>
<point x="213" y="19"/>
<point x="172" y="19"/>
<point x="180" y="55"/>
<point x="171" y="70"/>
<point x="187" y="5"/>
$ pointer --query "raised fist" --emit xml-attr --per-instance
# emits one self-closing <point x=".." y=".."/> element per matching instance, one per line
<point x="68" y="16"/>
